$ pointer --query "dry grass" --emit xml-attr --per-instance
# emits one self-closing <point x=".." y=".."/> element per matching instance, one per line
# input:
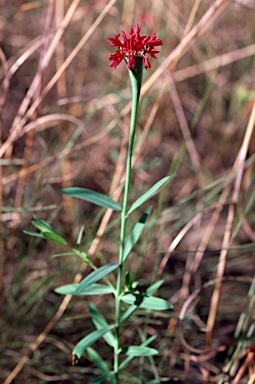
<point x="64" y="118"/>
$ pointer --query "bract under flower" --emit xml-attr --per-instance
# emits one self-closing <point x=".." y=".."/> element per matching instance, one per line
<point x="131" y="47"/>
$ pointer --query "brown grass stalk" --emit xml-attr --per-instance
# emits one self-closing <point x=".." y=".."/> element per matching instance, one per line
<point x="64" y="128"/>
<point x="30" y="135"/>
<point x="238" y="168"/>
<point x="21" y="118"/>
<point x="192" y="151"/>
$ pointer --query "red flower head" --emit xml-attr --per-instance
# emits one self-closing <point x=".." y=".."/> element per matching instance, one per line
<point x="134" y="46"/>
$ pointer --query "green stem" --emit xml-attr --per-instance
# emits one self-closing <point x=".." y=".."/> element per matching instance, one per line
<point x="136" y="81"/>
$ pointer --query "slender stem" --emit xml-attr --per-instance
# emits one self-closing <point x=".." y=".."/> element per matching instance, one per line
<point x="135" y="77"/>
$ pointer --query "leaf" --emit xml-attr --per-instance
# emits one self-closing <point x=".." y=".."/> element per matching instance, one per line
<point x="128" y="313"/>
<point x="146" y="196"/>
<point x="130" y="358"/>
<point x="47" y="232"/>
<point x="88" y="340"/>
<point x="35" y="234"/>
<point x="101" y="379"/>
<point x="78" y="242"/>
<point x="94" y="289"/>
<point x="42" y="225"/>
<point x="95" y="276"/>
<point x="148" y="302"/>
<point x="97" y="360"/>
<point x="154" y="287"/>
<point x="63" y="254"/>
<point x="100" y="322"/>
<point x="133" y="308"/>
<point x="92" y="197"/>
<point x="138" y="351"/>
<point x="82" y="255"/>
<point x="54" y="237"/>
<point x="138" y="228"/>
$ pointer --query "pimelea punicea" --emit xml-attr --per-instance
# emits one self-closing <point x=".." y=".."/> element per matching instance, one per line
<point x="128" y="296"/>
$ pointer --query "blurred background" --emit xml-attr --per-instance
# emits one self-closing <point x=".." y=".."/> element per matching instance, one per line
<point x="64" y="116"/>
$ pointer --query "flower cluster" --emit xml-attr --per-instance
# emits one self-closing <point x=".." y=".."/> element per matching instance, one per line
<point x="133" y="46"/>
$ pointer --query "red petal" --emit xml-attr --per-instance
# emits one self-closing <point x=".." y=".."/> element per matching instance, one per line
<point x="146" y="62"/>
<point x="116" y="58"/>
<point x="131" y="62"/>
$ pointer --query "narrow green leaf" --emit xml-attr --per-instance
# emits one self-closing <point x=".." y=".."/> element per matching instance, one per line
<point x="63" y="254"/>
<point x="88" y="340"/>
<point x="101" y="379"/>
<point x="148" y="302"/>
<point x="42" y="225"/>
<point x="95" y="276"/>
<point x="130" y="358"/>
<point x="100" y="322"/>
<point x="138" y="351"/>
<point x="47" y="232"/>
<point x="81" y="254"/>
<point x="35" y="234"/>
<point x="97" y="360"/>
<point x="92" y="197"/>
<point x="78" y="242"/>
<point x="146" y="196"/>
<point x="153" y="288"/>
<point x="129" y="312"/>
<point x="54" y="237"/>
<point x="133" y="308"/>
<point x="137" y="230"/>
<point x="68" y="289"/>
<point x="94" y="289"/>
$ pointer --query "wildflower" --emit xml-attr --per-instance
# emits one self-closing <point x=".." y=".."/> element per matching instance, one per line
<point x="133" y="46"/>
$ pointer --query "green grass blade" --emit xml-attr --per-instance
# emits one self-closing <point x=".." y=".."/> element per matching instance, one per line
<point x="146" y="196"/>
<point x="92" y="197"/>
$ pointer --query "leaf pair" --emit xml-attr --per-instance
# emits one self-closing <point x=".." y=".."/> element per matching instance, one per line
<point x="145" y="300"/>
<point x="132" y="351"/>
<point x="87" y="286"/>
<point x="104" y="330"/>
<point x="106" y="201"/>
